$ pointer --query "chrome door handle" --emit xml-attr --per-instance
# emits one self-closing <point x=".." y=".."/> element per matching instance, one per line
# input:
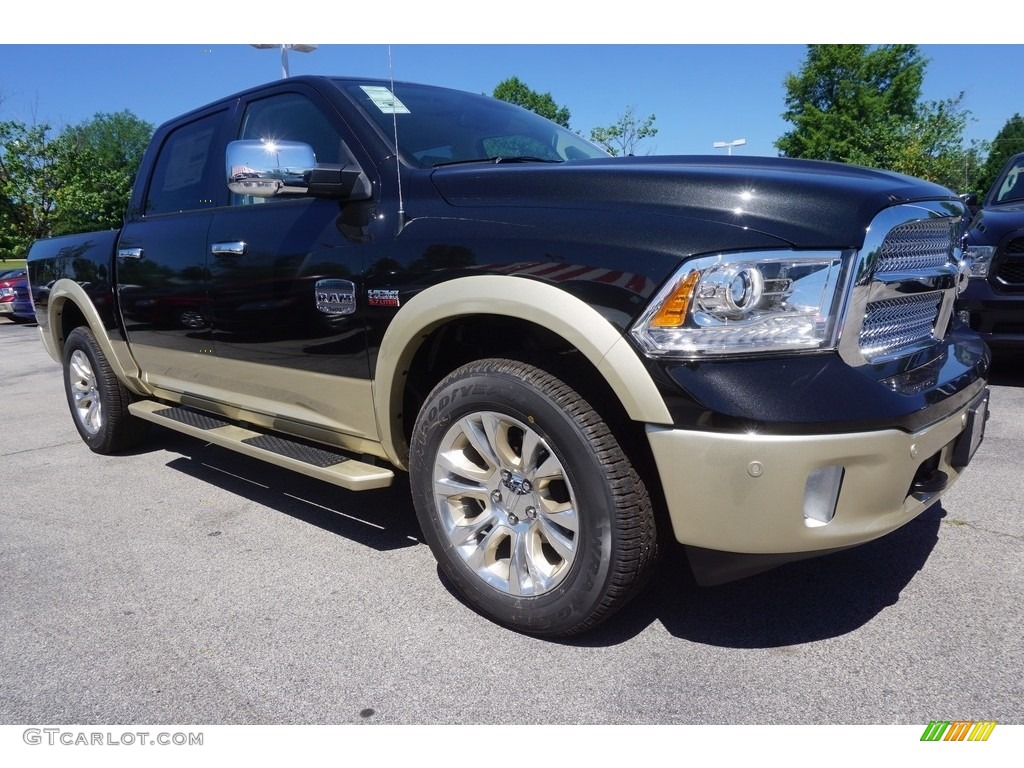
<point x="234" y="248"/>
<point x="129" y="253"/>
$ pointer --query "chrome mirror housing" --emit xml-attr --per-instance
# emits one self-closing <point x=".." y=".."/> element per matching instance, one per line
<point x="269" y="168"/>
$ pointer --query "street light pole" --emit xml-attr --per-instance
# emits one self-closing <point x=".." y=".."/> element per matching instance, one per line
<point x="284" y="52"/>
<point x="728" y="145"/>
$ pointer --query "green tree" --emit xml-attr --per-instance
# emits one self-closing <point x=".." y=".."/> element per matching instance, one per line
<point x="862" y="105"/>
<point x="843" y="94"/>
<point x="28" y="185"/>
<point x="515" y="91"/>
<point x="97" y="162"/>
<point x="623" y="137"/>
<point x="1008" y="142"/>
<point x="78" y="181"/>
<point x="932" y="146"/>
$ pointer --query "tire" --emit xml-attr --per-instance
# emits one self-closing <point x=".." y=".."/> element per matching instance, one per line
<point x="97" y="399"/>
<point x="527" y="501"/>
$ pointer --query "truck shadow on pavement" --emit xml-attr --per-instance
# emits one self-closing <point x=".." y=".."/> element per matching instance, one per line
<point x="800" y="602"/>
<point x="813" y="599"/>
<point x="381" y="519"/>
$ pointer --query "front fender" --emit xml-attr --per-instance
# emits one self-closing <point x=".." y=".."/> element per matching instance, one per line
<point x="510" y="296"/>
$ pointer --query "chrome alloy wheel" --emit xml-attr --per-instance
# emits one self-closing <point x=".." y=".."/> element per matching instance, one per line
<point x="506" y="504"/>
<point x="85" y="393"/>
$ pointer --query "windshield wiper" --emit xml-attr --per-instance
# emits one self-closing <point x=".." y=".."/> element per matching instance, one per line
<point x="498" y="159"/>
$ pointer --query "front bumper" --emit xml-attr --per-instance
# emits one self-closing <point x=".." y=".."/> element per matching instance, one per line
<point x="751" y="493"/>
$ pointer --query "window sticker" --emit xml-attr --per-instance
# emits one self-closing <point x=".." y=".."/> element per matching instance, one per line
<point x="385" y="100"/>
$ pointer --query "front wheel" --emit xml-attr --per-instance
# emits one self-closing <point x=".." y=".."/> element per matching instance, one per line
<point x="528" y="502"/>
<point x="97" y="399"/>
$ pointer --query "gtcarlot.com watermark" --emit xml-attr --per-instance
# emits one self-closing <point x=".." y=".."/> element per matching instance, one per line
<point x="71" y="738"/>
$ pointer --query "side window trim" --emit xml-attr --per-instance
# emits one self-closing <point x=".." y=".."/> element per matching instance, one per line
<point x="206" y="192"/>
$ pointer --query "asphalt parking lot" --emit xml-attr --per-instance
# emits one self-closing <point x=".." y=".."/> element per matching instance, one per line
<point x="185" y="584"/>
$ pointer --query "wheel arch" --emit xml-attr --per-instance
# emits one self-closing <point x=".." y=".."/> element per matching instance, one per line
<point x="524" y="303"/>
<point x="70" y="307"/>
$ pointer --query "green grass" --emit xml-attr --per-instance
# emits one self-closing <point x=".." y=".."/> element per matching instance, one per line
<point x="11" y="264"/>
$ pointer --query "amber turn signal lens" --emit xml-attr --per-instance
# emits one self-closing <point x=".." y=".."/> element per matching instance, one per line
<point x="673" y="312"/>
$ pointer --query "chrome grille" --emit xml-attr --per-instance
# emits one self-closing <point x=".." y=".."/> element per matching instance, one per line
<point x="905" y="282"/>
<point x="924" y="244"/>
<point x="893" y="324"/>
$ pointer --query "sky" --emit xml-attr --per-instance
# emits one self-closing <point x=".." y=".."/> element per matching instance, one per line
<point x="699" y="93"/>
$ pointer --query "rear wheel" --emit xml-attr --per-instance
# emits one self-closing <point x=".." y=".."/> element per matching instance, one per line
<point x="97" y="399"/>
<point x="528" y="502"/>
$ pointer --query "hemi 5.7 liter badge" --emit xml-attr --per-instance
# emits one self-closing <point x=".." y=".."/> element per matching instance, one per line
<point x="335" y="297"/>
<point x="382" y="298"/>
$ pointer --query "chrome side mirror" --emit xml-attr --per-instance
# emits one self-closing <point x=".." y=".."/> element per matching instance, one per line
<point x="269" y="168"/>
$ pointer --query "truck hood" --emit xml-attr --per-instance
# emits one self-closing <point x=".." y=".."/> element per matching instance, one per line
<point x="991" y="224"/>
<point x="806" y="203"/>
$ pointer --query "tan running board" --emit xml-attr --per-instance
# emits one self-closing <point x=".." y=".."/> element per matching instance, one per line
<point x="323" y="463"/>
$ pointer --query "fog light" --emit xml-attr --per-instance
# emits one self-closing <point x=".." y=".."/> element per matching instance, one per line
<point x="821" y="494"/>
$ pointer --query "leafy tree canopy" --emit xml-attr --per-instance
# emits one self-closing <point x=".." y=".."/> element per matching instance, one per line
<point x="623" y="137"/>
<point x="1008" y="142"/>
<point x="78" y="180"/>
<point x="28" y="184"/>
<point x="515" y="91"/>
<point x="98" y="161"/>
<point x="862" y="105"/>
<point x="841" y="92"/>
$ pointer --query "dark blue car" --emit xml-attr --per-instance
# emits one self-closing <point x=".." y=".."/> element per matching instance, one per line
<point x="993" y="302"/>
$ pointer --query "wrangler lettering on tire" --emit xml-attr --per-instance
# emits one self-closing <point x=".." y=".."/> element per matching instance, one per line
<point x="527" y="500"/>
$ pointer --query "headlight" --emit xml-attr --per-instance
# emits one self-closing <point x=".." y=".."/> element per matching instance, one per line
<point x="744" y="303"/>
<point x="6" y="291"/>
<point x="981" y="258"/>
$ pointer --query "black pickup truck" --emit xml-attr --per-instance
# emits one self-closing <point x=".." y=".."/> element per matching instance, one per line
<point x="993" y="303"/>
<point x="577" y="358"/>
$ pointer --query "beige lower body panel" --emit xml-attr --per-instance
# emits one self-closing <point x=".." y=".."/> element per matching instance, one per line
<point x="745" y="493"/>
<point x="317" y="406"/>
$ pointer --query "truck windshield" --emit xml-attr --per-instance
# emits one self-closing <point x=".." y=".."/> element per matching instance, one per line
<point x="1010" y="187"/>
<point x="439" y="126"/>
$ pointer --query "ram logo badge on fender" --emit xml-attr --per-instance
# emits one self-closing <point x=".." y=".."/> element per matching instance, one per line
<point x="335" y="297"/>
